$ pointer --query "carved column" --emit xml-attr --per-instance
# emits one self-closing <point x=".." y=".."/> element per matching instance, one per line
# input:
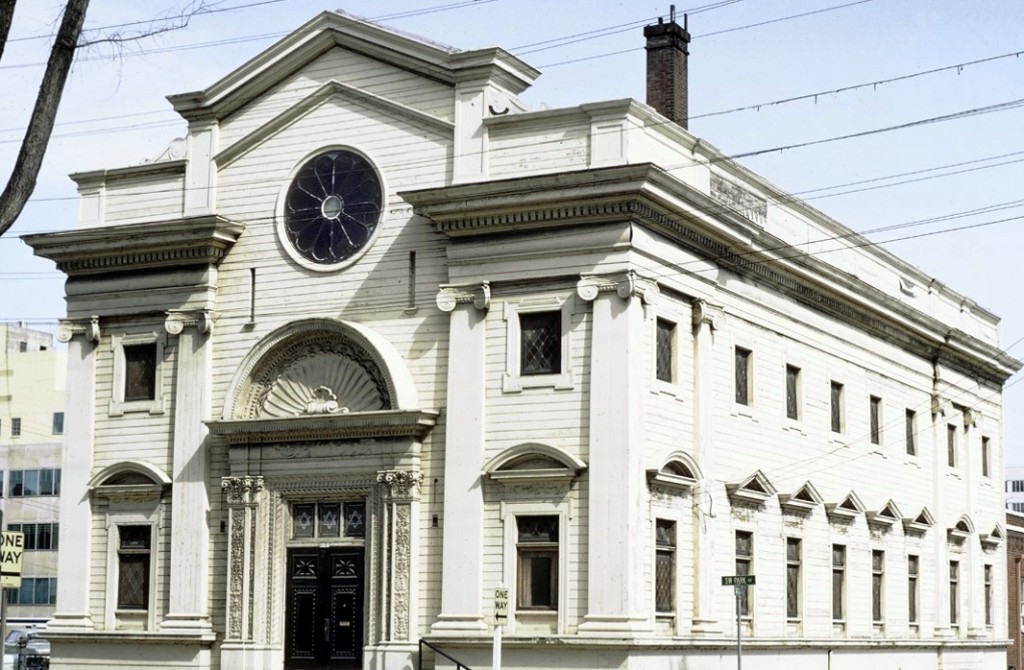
<point x="462" y="527"/>
<point x="617" y="595"/>
<point x="243" y="495"/>
<point x="73" y="564"/>
<point x="190" y="537"/>
<point x="399" y="557"/>
<point x="704" y="320"/>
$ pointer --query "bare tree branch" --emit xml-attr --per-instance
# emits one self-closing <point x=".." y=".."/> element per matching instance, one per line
<point x="6" y="17"/>
<point x="33" y="147"/>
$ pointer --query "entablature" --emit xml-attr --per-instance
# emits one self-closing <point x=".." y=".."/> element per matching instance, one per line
<point x="353" y="425"/>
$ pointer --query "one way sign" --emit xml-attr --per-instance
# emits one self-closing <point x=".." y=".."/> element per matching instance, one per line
<point x="12" y="546"/>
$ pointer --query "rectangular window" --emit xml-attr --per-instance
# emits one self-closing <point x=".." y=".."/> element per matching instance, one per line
<point x="58" y="423"/>
<point x="540" y="343"/>
<point x="134" y="545"/>
<point x="911" y="427"/>
<point x="744" y="559"/>
<point x="140" y="372"/>
<point x="743" y="376"/>
<point x="988" y="595"/>
<point x="38" y="536"/>
<point x="954" y="593"/>
<point x="35" y="482"/>
<point x="15" y="427"/>
<point x="665" y="350"/>
<point x="537" y="557"/>
<point x="913" y="564"/>
<point x="22" y="346"/>
<point x="793" y="392"/>
<point x="34" y="591"/>
<point x="838" y="581"/>
<point x="875" y="417"/>
<point x="793" y="577"/>
<point x="664" y="566"/>
<point x="986" y="457"/>
<point x="836" y="406"/>
<point x="951" y="445"/>
<point x="877" y="584"/>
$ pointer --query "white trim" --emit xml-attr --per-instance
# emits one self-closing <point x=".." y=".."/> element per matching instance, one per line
<point x="118" y="405"/>
<point x="514" y="382"/>
<point x="114" y="618"/>
<point x="509" y="512"/>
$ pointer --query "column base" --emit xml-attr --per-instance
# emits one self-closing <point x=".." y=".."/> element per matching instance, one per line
<point x="617" y="626"/>
<point x="706" y="628"/>
<point x="71" y="622"/>
<point x="459" y="624"/>
<point x="187" y="623"/>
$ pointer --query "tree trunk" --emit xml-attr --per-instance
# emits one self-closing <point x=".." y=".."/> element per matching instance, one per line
<point x="33" y="147"/>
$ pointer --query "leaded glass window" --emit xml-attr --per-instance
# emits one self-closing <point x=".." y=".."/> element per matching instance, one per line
<point x="954" y="593"/>
<point x="540" y="339"/>
<point x="744" y="558"/>
<point x="303" y="520"/>
<point x="664" y="568"/>
<point x="836" y="406"/>
<point x="911" y="428"/>
<point x="792" y="577"/>
<point x="664" y="348"/>
<point x="792" y="392"/>
<point x="329" y="519"/>
<point x="742" y="395"/>
<point x="877" y="584"/>
<point x="537" y="554"/>
<point x="140" y="372"/>
<point x="355" y="519"/>
<point x="913" y="564"/>
<point x="875" y="419"/>
<point x="838" y="581"/>
<point x="134" y="545"/>
<point x="988" y="595"/>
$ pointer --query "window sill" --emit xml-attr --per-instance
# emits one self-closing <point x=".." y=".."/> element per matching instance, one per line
<point x="837" y="438"/>
<point x="671" y="389"/>
<point x="746" y="411"/>
<point x="118" y="408"/>
<point x="795" y="425"/>
<point x="564" y="381"/>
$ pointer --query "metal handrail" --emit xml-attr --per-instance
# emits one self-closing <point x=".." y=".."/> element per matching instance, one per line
<point x="459" y="665"/>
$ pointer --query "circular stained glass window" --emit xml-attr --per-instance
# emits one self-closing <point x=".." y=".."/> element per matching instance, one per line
<point x="333" y="207"/>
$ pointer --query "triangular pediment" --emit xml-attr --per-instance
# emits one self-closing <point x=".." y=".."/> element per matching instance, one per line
<point x="993" y="539"/>
<point x="885" y="517"/>
<point x="805" y="499"/>
<point x="335" y="29"/>
<point x="848" y="509"/>
<point x="330" y="93"/>
<point x="754" y="490"/>
<point x="918" y="525"/>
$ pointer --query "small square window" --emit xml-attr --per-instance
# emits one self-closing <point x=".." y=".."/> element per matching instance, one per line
<point x="665" y="351"/>
<point x="58" y="423"/>
<point x="22" y="346"/>
<point x="743" y="376"/>
<point x="15" y="427"/>
<point x="540" y="343"/>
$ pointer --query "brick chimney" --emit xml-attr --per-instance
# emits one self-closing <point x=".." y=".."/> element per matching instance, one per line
<point x="667" y="53"/>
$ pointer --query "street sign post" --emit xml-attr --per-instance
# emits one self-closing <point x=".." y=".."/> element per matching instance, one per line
<point x="500" y="614"/>
<point x="739" y="584"/>
<point x="12" y="546"/>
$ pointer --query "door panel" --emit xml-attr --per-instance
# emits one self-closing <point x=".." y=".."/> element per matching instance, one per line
<point x="324" y="627"/>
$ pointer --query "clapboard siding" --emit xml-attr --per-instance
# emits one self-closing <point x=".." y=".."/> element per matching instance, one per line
<point x="142" y="199"/>
<point x="351" y="69"/>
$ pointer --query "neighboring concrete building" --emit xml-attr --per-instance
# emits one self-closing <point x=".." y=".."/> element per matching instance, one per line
<point x="1014" y="478"/>
<point x="32" y="375"/>
<point x="376" y="338"/>
<point x="1015" y="588"/>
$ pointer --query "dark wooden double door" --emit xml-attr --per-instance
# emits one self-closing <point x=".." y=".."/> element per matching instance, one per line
<point x="324" y="627"/>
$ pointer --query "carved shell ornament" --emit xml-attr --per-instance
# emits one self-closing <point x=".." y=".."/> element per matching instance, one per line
<point x="324" y="383"/>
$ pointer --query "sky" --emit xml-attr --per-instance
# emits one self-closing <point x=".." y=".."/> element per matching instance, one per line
<point x="902" y="119"/>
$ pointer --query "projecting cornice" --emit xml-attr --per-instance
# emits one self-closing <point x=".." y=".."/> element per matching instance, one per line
<point x="647" y="196"/>
<point x="201" y="240"/>
<point x="325" y="427"/>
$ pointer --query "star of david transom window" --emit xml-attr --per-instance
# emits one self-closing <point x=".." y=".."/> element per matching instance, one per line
<point x="328" y="519"/>
<point x="332" y="209"/>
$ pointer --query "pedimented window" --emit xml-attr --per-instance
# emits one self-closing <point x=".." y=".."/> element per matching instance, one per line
<point x="534" y="464"/>
<point x="129" y="481"/>
<point x="918" y="525"/>
<point x="846" y="511"/>
<point x="804" y="500"/>
<point x="678" y="475"/>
